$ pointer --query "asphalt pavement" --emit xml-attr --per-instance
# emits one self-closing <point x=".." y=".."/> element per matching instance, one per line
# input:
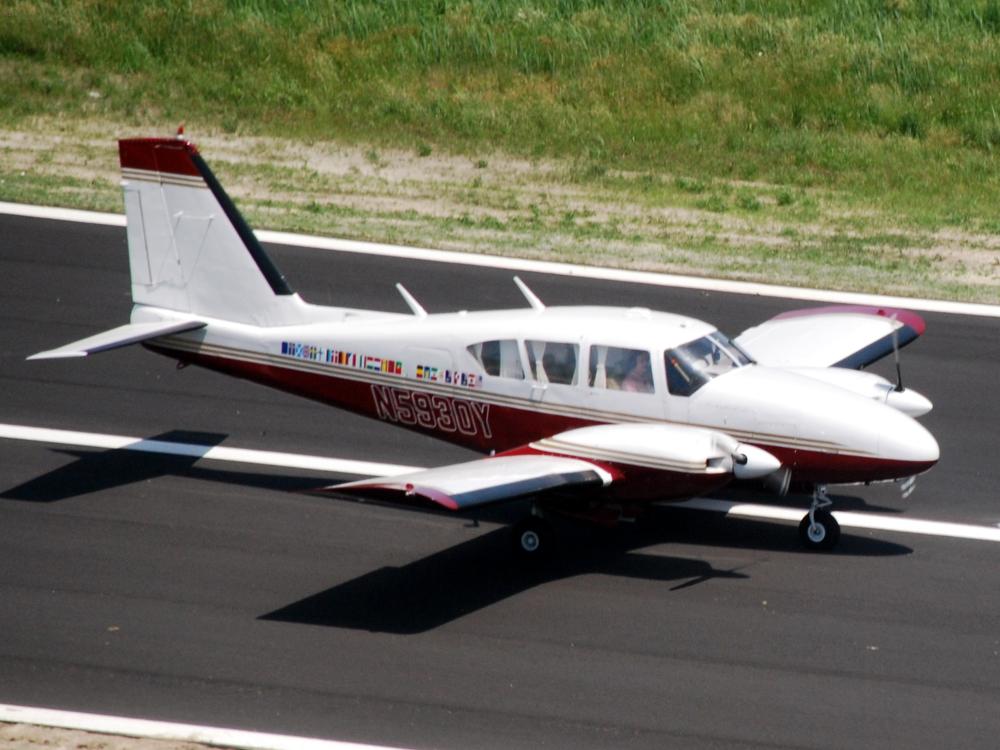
<point x="229" y="595"/>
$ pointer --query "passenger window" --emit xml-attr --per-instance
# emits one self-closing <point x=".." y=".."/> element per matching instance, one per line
<point x="499" y="358"/>
<point x="553" y="362"/>
<point x="619" y="369"/>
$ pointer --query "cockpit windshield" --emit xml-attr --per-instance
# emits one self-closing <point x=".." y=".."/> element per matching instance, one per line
<point x="693" y="364"/>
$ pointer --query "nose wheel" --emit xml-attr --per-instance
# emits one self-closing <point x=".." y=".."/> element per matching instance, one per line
<point x="819" y="530"/>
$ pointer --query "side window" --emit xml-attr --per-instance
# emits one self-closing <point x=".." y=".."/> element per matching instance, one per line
<point x="619" y="369"/>
<point x="499" y="358"/>
<point x="553" y="362"/>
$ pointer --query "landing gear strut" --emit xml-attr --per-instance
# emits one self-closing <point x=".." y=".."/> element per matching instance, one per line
<point x="819" y="530"/>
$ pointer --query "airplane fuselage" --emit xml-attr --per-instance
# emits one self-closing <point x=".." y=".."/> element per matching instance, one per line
<point x="490" y="381"/>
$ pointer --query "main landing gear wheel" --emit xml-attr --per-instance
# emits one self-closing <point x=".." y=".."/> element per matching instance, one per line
<point x="821" y="532"/>
<point x="533" y="539"/>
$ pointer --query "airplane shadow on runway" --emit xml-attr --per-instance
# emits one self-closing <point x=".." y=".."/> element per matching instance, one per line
<point x="99" y="470"/>
<point x="481" y="572"/>
<point x="467" y="577"/>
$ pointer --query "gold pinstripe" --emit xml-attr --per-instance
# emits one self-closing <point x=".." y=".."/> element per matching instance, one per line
<point x="163" y="178"/>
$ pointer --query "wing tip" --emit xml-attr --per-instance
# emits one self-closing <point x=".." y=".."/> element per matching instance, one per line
<point x="57" y="354"/>
<point x="402" y="491"/>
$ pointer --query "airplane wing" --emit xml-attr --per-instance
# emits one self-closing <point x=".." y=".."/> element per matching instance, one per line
<point x="130" y="333"/>
<point x="851" y="336"/>
<point x="487" y="480"/>
<point x="666" y="459"/>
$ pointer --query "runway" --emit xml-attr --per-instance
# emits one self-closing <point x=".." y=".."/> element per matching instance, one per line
<point x="224" y="593"/>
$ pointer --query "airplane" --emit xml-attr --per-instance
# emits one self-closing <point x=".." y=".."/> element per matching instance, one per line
<point x="592" y="412"/>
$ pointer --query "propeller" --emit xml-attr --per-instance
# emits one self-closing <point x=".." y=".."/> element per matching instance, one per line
<point x="895" y="355"/>
<point x="907" y="401"/>
<point x="907" y="486"/>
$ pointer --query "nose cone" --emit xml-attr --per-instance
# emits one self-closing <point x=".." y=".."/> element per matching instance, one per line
<point x="822" y="432"/>
<point x="906" y="440"/>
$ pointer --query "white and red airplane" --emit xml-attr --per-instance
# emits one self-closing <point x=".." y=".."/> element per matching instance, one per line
<point x="593" y="411"/>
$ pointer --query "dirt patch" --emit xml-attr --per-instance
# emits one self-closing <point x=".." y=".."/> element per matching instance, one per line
<point x="529" y="208"/>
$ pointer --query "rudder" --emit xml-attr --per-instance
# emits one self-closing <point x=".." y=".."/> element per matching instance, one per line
<point x="190" y="250"/>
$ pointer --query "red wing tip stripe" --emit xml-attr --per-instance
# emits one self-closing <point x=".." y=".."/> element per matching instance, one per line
<point x="164" y="155"/>
<point x="407" y="490"/>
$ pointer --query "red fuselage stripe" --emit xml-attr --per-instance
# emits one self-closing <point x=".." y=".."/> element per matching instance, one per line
<point x="483" y="426"/>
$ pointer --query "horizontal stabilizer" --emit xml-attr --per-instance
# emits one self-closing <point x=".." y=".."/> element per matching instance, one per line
<point x="131" y="333"/>
<point x="486" y="480"/>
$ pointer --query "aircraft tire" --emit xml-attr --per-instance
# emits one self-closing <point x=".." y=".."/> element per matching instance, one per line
<point x="533" y="539"/>
<point x="821" y="536"/>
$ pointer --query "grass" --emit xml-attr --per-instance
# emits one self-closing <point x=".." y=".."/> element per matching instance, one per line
<point x="821" y="118"/>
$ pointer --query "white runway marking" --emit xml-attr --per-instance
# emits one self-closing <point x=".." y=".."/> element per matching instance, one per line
<point x="537" y="266"/>
<point x="847" y="519"/>
<point x="162" y="730"/>
<point x="210" y="452"/>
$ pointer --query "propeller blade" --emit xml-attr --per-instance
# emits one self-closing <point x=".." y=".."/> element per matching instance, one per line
<point x="895" y="355"/>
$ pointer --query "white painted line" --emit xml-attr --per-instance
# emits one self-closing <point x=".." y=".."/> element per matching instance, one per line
<point x="630" y="277"/>
<point x="848" y="519"/>
<point x="209" y="452"/>
<point x="61" y="214"/>
<point x="161" y="730"/>
<point x="548" y="267"/>
<point x="368" y="468"/>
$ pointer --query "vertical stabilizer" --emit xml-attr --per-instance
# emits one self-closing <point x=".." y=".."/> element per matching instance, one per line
<point x="190" y="250"/>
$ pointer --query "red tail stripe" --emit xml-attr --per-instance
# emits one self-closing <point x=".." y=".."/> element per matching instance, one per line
<point x="164" y="155"/>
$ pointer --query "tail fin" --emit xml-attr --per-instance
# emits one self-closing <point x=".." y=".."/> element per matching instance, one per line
<point x="190" y="250"/>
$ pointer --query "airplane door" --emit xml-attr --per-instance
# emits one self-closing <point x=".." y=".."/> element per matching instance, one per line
<point x="501" y="363"/>
<point x="555" y="371"/>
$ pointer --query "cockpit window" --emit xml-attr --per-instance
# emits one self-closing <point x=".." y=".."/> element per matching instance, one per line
<point x="499" y="358"/>
<point x="693" y="364"/>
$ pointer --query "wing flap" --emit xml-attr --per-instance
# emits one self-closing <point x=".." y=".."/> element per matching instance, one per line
<point x="131" y="333"/>
<point x="851" y="336"/>
<point x="484" y="481"/>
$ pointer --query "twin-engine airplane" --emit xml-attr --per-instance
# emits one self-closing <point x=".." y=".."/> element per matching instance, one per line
<point x="592" y="411"/>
